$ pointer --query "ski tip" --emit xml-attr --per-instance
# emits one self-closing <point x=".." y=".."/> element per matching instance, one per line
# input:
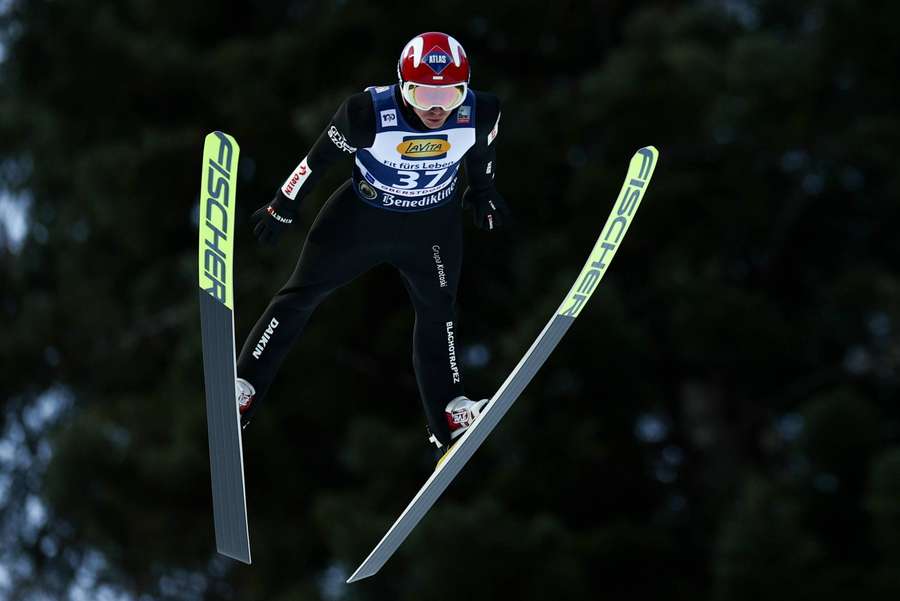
<point x="645" y="160"/>
<point x="218" y="135"/>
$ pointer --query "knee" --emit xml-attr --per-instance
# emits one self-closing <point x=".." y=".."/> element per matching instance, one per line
<point x="299" y="298"/>
<point x="436" y="308"/>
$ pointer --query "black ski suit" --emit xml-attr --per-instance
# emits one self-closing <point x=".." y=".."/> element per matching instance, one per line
<point x="349" y="237"/>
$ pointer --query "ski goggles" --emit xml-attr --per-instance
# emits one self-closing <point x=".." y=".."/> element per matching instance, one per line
<point x="425" y="97"/>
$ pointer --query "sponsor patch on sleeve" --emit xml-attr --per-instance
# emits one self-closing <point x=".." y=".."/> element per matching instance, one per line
<point x="494" y="131"/>
<point x="340" y="140"/>
<point x="292" y="184"/>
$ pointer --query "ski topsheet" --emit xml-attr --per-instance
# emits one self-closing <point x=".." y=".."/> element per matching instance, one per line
<point x="640" y="170"/>
<point x="216" y="262"/>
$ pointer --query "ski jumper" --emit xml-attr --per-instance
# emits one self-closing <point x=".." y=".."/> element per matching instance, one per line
<point x="400" y="207"/>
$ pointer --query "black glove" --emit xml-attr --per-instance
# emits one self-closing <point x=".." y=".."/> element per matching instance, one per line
<point x="489" y="210"/>
<point x="270" y="220"/>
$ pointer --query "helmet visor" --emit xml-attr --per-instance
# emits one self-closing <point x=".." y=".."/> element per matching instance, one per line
<point x="425" y="97"/>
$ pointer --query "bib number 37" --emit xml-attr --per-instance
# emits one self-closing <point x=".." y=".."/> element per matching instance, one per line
<point x="410" y="179"/>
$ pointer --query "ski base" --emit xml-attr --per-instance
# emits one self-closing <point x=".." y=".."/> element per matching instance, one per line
<point x="225" y="448"/>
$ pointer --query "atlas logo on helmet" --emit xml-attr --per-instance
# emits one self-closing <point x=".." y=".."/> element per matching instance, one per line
<point x="437" y="59"/>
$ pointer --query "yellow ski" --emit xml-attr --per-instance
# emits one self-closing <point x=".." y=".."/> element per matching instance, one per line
<point x="216" y="289"/>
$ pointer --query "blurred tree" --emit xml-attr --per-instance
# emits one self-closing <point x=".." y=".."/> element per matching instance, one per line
<point x="653" y="455"/>
<point x="763" y="550"/>
<point x="883" y="505"/>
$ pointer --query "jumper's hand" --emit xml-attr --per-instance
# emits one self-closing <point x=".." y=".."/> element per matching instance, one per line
<point x="489" y="209"/>
<point x="270" y="220"/>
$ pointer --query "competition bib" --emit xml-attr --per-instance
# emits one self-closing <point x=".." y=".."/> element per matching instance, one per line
<point x="410" y="170"/>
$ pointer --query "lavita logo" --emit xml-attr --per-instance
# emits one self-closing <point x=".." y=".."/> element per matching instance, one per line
<point x="431" y="147"/>
<point x="264" y="339"/>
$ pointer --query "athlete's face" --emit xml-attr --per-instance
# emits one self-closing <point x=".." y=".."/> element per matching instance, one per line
<point x="432" y="118"/>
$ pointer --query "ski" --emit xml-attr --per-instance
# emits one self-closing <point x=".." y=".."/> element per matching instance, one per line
<point x="216" y="262"/>
<point x="640" y="170"/>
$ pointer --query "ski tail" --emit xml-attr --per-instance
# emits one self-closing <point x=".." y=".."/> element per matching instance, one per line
<point x="640" y="170"/>
<point x="216" y="293"/>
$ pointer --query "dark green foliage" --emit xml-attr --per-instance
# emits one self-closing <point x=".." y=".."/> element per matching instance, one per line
<point x="720" y="423"/>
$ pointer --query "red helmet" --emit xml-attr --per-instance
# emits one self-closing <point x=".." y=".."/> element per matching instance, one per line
<point x="434" y="71"/>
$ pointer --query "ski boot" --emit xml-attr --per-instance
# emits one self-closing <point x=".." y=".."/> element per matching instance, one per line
<point x="460" y="413"/>
<point x="245" y="394"/>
